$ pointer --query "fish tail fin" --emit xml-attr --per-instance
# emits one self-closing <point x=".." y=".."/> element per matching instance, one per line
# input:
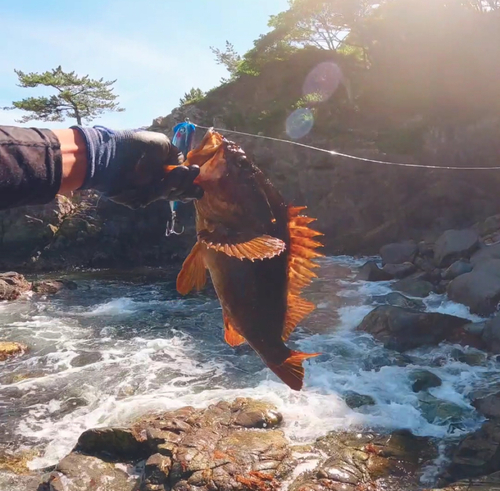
<point x="291" y="370"/>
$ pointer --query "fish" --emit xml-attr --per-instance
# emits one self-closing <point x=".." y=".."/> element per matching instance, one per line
<point x="259" y="251"/>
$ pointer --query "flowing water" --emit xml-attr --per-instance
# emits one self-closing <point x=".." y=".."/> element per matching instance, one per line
<point x="122" y="345"/>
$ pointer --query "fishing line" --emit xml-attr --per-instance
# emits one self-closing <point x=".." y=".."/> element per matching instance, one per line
<point x="345" y="155"/>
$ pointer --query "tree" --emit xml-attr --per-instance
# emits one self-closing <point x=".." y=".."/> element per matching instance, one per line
<point x="194" y="95"/>
<point x="81" y="98"/>
<point x="229" y="58"/>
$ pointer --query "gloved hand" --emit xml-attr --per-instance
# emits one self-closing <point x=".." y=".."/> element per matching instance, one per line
<point x="134" y="168"/>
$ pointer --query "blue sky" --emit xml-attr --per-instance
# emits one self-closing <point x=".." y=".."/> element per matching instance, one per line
<point x="156" y="49"/>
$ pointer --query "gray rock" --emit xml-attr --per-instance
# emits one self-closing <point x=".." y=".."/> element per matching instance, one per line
<point x="355" y="400"/>
<point x="414" y="286"/>
<point x="399" y="271"/>
<point x="84" y="359"/>
<point x="51" y="287"/>
<point x="489" y="266"/>
<point x="475" y="328"/>
<point x="489" y="406"/>
<point x="456" y="269"/>
<point x="371" y="272"/>
<point x="397" y="299"/>
<point x="402" y="329"/>
<point x="426" y="249"/>
<point x="398" y="253"/>
<point x="423" y="380"/>
<point x="434" y="409"/>
<point x="491" y="334"/>
<point x="453" y="245"/>
<point x="478" y="290"/>
<point x="486" y="253"/>
<point x="474" y="358"/>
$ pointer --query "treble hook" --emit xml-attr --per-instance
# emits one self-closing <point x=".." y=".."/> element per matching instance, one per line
<point x="171" y="225"/>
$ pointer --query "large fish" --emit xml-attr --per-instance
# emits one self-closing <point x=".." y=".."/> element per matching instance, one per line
<point x="258" y="251"/>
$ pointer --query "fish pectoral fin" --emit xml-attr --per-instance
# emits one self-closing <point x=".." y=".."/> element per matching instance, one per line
<point x="240" y="247"/>
<point x="291" y="370"/>
<point x="192" y="274"/>
<point x="231" y="336"/>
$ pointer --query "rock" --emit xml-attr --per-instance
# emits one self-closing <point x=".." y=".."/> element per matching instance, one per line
<point x="398" y="253"/>
<point x="399" y="271"/>
<point x="475" y="328"/>
<point x="396" y="299"/>
<point x="12" y="285"/>
<point x="425" y="264"/>
<point x="402" y="329"/>
<point x="490" y="266"/>
<point x="425" y="249"/>
<point x="474" y="358"/>
<point x="434" y="409"/>
<point x="489" y="406"/>
<point x="116" y="443"/>
<point x="250" y="413"/>
<point x="51" y="287"/>
<point x="453" y="245"/>
<point x="485" y="254"/>
<point x="371" y="272"/>
<point x="414" y="286"/>
<point x="478" y="290"/>
<point x="9" y="349"/>
<point x="491" y="334"/>
<point x="423" y="380"/>
<point x="456" y="269"/>
<point x="78" y="472"/>
<point x="484" y="483"/>
<point x="477" y="454"/>
<point x="84" y="359"/>
<point x="156" y="473"/>
<point x="355" y="400"/>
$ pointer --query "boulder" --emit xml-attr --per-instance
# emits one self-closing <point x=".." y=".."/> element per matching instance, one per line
<point x="486" y="253"/>
<point x="415" y="286"/>
<point x="453" y="245"/>
<point x="397" y="299"/>
<point x="399" y="271"/>
<point x="456" y="269"/>
<point x="51" y="287"/>
<point x="9" y="349"/>
<point x="423" y="380"/>
<point x="355" y="400"/>
<point x="12" y="285"/>
<point x="425" y="249"/>
<point x="402" y="329"/>
<point x="472" y="357"/>
<point x="478" y="290"/>
<point x="435" y="410"/>
<point x="477" y="454"/>
<point x="371" y="272"/>
<point x="398" y="253"/>
<point x="483" y="483"/>
<point x="491" y="334"/>
<point x="489" y="406"/>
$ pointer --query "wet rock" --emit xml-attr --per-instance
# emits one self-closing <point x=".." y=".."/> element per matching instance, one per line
<point x="490" y="266"/>
<point x="425" y="264"/>
<point x="488" y="406"/>
<point x="355" y="400"/>
<point x="78" y="472"/>
<point x="250" y="413"/>
<point x="156" y="473"/>
<point x="397" y="299"/>
<point x="484" y="483"/>
<point x="51" y="287"/>
<point x="475" y="328"/>
<point x="485" y="254"/>
<point x="453" y="245"/>
<point x="456" y="269"/>
<point x="402" y="329"/>
<point x="423" y="380"/>
<point x="434" y="409"/>
<point x="425" y="249"/>
<point x="477" y="454"/>
<point x="478" y="290"/>
<point x="414" y="286"/>
<point x="491" y="334"/>
<point x="474" y="358"/>
<point x="399" y="271"/>
<point x="116" y="443"/>
<point x="12" y="286"/>
<point x="84" y="359"/>
<point x="9" y="349"/>
<point x="371" y="272"/>
<point x="398" y="253"/>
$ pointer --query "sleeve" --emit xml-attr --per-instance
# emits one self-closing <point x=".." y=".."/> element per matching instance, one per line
<point x="30" y="166"/>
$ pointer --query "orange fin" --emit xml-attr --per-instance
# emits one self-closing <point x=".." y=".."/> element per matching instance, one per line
<point x="292" y="371"/>
<point x="262" y="247"/>
<point x="298" y="308"/>
<point x="193" y="274"/>
<point x="231" y="336"/>
<point x="300" y="267"/>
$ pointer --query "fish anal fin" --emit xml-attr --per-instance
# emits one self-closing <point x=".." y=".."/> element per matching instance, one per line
<point x="192" y="274"/>
<point x="298" y="309"/>
<point x="291" y="371"/>
<point x="255" y="248"/>
<point x="231" y="336"/>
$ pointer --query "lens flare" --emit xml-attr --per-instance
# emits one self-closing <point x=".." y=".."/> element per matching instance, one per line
<point x="299" y="123"/>
<point x="323" y="81"/>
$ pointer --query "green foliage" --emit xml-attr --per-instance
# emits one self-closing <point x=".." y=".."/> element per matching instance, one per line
<point x="191" y="97"/>
<point x="80" y="98"/>
<point x="228" y="57"/>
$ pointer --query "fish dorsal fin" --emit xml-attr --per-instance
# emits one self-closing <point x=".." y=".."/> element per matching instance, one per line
<point x="300" y="267"/>
<point x="192" y="274"/>
<point x="231" y="336"/>
<point x="261" y="247"/>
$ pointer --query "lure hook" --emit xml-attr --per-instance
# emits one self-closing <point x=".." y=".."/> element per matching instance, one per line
<point x="171" y="226"/>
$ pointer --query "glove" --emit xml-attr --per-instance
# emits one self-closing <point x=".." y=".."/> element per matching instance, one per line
<point x="135" y="168"/>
